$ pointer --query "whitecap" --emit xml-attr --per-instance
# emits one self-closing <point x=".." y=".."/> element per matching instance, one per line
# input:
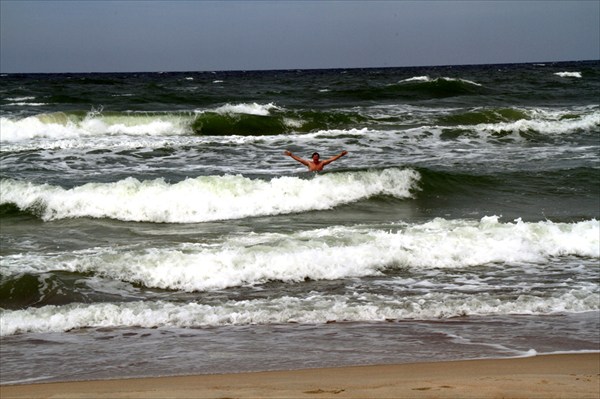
<point x="313" y="309"/>
<point x="569" y="74"/>
<point x="206" y="198"/>
<point x="61" y="126"/>
<point x="246" y="108"/>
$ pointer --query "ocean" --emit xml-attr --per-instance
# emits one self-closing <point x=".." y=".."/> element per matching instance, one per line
<point x="150" y="223"/>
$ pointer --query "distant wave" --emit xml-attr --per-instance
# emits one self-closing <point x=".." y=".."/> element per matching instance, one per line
<point x="244" y="119"/>
<point x="569" y="74"/>
<point x="22" y="102"/>
<point x="427" y="87"/>
<point x="25" y="104"/>
<point x="416" y="87"/>
<point x="544" y="123"/>
<point x="438" y="80"/>
<point x="484" y="115"/>
<point x="248" y="120"/>
<point x="61" y="125"/>
<point x="205" y="198"/>
<point x="515" y="120"/>
<point x="250" y="109"/>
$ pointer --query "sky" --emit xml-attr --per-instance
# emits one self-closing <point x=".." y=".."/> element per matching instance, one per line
<point x="137" y="36"/>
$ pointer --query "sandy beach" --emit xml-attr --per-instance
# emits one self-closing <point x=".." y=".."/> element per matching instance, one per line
<point x="549" y="376"/>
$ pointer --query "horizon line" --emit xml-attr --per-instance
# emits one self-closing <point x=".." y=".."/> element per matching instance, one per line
<point x="295" y="69"/>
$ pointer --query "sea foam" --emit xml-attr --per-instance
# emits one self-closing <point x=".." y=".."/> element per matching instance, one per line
<point x="205" y="198"/>
<point x="64" y="126"/>
<point x="244" y="108"/>
<point x="440" y="79"/>
<point x="348" y="252"/>
<point x="546" y="122"/>
<point x="60" y="126"/>
<point x="313" y="309"/>
<point x="569" y="74"/>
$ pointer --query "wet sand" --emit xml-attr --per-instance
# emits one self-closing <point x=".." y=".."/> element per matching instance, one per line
<point x="549" y="376"/>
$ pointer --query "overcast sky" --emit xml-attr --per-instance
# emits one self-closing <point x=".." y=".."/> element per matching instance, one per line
<point x="127" y="36"/>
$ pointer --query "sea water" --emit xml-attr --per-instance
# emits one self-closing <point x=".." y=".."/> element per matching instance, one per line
<point x="150" y="223"/>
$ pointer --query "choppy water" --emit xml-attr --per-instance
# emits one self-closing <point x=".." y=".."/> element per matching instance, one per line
<point x="152" y="220"/>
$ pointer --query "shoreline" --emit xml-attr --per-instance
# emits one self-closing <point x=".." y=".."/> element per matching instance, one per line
<point x="541" y="376"/>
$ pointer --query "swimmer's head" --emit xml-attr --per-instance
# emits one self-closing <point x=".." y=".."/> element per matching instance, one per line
<point x="315" y="156"/>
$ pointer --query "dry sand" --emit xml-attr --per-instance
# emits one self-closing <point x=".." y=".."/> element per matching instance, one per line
<point x="552" y="376"/>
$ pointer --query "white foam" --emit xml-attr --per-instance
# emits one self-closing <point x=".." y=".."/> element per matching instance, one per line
<point x="529" y="353"/>
<point x="546" y="122"/>
<point x="251" y="259"/>
<point x="22" y="104"/>
<point x="60" y="126"/>
<point x="337" y="132"/>
<point x="251" y="109"/>
<point x="205" y="198"/>
<point x="569" y="74"/>
<point x="293" y="123"/>
<point x="26" y="380"/>
<point x="23" y="101"/>
<point x="20" y="98"/>
<point x="539" y="120"/>
<point x="313" y="309"/>
<point x="255" y="258"/>
<point x="429" y="79"/>
<point x="417" y="79"/>
<point x="25" y="129"/>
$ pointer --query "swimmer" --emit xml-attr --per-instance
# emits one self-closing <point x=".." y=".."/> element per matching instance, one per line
<point x="315" y="164"/>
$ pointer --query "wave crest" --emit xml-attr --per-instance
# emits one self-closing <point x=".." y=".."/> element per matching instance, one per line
<point x="257" y="258"/>
<point x="205" y="198"/>
<point x="568" y="74"/>
<point x="62" y="125"/>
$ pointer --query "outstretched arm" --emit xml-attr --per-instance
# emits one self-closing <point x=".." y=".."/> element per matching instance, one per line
<point x="326" y="161"/>
<point x="302" y="161"/>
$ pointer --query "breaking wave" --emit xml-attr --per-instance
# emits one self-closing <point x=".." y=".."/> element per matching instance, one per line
<point x="205" y="198"/>
<point x="252" y="259"/>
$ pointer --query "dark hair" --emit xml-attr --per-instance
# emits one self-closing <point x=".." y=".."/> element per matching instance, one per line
<point x="315" y="153"/>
